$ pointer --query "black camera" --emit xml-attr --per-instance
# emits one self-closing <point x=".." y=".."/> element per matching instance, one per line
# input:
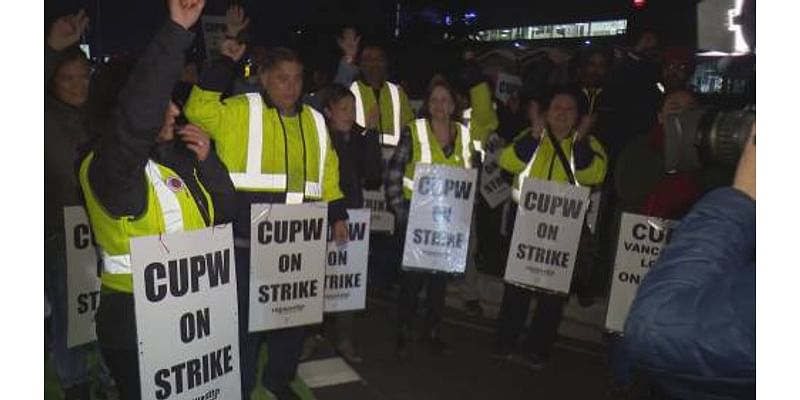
<point x="706" y="136"/>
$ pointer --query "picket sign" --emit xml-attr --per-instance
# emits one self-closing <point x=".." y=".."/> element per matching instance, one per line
<point x="187" y="324"/>
<point x="287" y="264"/>
<point x="440" y="219"/>
<point x="640" y="241"/>
<point x="547" y="231"/>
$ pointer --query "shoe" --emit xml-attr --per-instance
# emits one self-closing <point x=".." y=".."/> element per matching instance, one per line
<point x="347" y="350"/>
<point x="474" y="308"/>
<point x="531" y="361"/>
<point x="585" y="300"/>
<point x="502" y="354"/>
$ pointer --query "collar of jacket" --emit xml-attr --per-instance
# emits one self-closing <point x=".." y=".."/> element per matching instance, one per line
<point x="64" y="107"/>
<point x="365" y="83"/>
<point x="298" y="105"/>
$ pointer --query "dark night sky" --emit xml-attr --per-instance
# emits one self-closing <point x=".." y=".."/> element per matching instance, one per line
<point x="126" y="26"/>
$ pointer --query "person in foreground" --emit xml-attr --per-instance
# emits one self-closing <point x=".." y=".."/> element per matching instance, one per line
<point x="692" y="326"/>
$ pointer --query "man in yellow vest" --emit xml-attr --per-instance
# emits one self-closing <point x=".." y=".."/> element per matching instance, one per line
<point x="141" y="180"/>
<point x="277" y="151"/>
<point x="534" y="155"/>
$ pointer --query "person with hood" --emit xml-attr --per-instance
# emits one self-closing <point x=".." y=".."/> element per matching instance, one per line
<point x="147" y="176"/>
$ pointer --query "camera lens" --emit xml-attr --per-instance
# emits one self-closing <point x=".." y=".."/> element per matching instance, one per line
<point x="723" y="138"/>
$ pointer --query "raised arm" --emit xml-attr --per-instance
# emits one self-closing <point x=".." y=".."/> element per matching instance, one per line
<point x="65" y="32"/>
<point x="121" y="155"/>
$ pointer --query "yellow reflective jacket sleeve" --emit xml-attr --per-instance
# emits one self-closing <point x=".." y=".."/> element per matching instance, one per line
<point x="483" y="120"/>
<point x="205" y="109"/>
<point x="510" y="162"/>
<point x="595" y="173"/>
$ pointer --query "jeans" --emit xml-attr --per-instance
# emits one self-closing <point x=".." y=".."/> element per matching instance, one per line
<point x="543" y="329"/>
<point x="284" y="346"/>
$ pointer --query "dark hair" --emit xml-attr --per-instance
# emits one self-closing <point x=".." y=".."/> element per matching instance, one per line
<point x="332" y="94"/>
<point x="69" y="55"/>
<point x="443" y="83"/>
<point x="567" y="90"/>
<point x="586" y="54"/>
<point x="278" y="55"/>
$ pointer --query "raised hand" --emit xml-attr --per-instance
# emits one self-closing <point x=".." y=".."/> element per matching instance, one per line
<point x="340" y="232"/>
<point x="67" y="30"/>
<point x="232" y="48"/>
<point x="585" y="126"/>
<point x="348" y="42"/>
<point x="196" y="140"/>
<point x="536" y="118"/>
<point x="185" y="12"/>
<point x="235" y="20"/>
<point x="745" y="178"/>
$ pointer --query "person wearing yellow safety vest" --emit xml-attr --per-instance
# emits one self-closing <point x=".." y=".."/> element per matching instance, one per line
<point x="435" y="139"/>
<point x="534" y="155"/>
<point x="146" y="176"/>
<point x="379" y="103"/>
<point x="277" y="151"/>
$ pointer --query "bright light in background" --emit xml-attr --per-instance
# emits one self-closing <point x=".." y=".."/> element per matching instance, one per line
<point x="639" y="3"/>
<point x="739" y="45"/>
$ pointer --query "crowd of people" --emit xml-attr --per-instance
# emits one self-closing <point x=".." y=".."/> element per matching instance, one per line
<point x="244" y="129"/>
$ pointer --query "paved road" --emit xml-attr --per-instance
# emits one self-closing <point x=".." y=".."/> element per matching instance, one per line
<point x="466" y="372"/>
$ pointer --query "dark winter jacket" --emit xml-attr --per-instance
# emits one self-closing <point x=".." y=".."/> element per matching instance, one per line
<point x="360" y="163"/>
<point x="692" y="326"/>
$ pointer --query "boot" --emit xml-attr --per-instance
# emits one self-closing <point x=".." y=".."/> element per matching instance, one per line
<point x="78" y="392"/>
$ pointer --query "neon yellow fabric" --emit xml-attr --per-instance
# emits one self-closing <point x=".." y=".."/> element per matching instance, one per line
<point x="483" y="120"/>
<point x="227" y="122"/>
<point x="113" y="233"/>
<point x="387" y="115"/>
<point x="456" y="159"/>
<point x="545" y="155"/>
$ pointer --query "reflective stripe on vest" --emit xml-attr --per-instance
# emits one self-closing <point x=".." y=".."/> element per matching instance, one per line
<point x="170" y="211"/>
<point x="170" y="207"/>
<point x="465" y="142"/>
<point x="466" y="116"/>
<point x="394" y="94"/>
<point x="252" y="178"/>
<point x="360" y="118"/>
<point x="517" y="191"/>
<point x="424" y="143"/>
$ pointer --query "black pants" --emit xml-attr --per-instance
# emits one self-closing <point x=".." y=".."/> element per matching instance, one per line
<point x="116" y="334"/>
<point x="411" y="283"/>
<point x="284" y="346"/>
<point x="543" y="329"/>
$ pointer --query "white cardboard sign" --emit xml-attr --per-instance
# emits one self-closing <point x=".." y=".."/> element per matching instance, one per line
<point x="440" y="217"/>
<point x="287" y="264"/>
<point x="494" y="189"/>
<point x="83" y="277"/>
<point x="346" y="266"/>
<point x="381" y="220"/>
<point x="507" y="85"/>
<point x="546" y="235"/>
<point x="184" y="290"/>
<point x="639" y="244"/>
